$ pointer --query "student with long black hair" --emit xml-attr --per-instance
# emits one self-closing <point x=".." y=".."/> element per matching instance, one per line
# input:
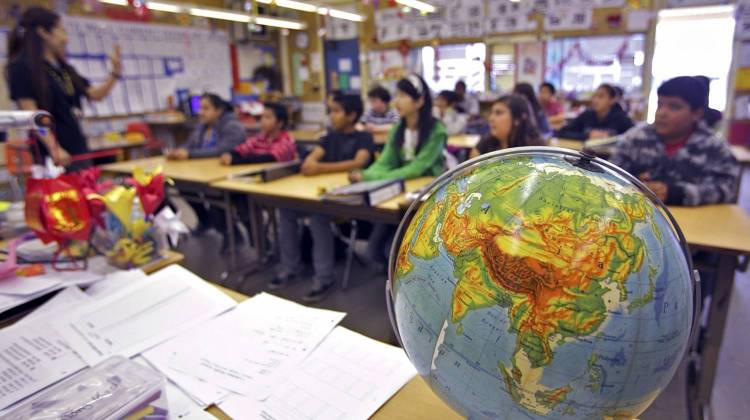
<point x="219" y="131"/>
<point x="511" y="125"/>
<point x="539" y="117"/>
<point x="415" y="145"/>
<point x="39" y="77"/>
<point x="414" y="148"/>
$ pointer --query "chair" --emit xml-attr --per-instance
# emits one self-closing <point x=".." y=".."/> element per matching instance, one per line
<point x="349" y="241"/>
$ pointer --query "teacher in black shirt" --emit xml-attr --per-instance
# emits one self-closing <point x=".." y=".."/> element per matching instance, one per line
<point x="40" y="78"/>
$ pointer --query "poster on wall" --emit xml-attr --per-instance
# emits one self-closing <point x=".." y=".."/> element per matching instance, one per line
<point x="465" y="19"/>
<point x="499" y="25"/>
<point x="426" y="27"/>
<point x="391" y="25"/>
<point x="341" y="29"/>
<point x="742" y="19"/>
<point x="529" y="60"/>
<point x="157" y="60"/>
<point x="568" y="19"/>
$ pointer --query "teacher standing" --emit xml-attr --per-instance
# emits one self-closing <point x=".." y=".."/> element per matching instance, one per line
<point x="40" y="78"/>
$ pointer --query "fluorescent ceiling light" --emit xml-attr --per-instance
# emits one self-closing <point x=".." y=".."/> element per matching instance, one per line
<point x="340" y="14"/>
<point x="322" y="11"/>
<point x="297" y="5"/>
<point x="115" y="2"/>
<point x="163" y="7"/>
<point x="220" y="14"/>
<point x="279" y="23"/>
<point x="419" y="5"/>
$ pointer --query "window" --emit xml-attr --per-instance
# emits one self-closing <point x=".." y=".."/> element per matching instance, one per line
<point x="581" y="64"/>
<point x="453" y="63"/>
<point x="708" y="31"/>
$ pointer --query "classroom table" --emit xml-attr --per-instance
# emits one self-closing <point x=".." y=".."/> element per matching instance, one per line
<point x="97" y="144"/>
<point x="414" y="401"/>
<point x="742" y="154"/>
<point x="193" y="176"/>
<point x="725" y="230"/>
<point x="566" y="143"/>
<point x="302" y="193"/>
<point x="461" y="141"/>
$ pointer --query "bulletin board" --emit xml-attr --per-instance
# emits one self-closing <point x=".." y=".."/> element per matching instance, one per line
<point x="157" y="60"/>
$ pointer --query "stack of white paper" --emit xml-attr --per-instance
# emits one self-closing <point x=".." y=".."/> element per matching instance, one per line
<point x="74" y="330"/>
<point x="135" y="318"/>
<point x="349" y="376"/>
<point x="245" y="351"/>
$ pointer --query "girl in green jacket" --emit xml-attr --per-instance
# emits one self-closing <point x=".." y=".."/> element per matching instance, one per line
<point x="414" y="148"/>
<point x="415" y="145"/>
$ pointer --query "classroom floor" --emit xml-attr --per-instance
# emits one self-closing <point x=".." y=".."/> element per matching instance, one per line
<point x="364" y="302"/>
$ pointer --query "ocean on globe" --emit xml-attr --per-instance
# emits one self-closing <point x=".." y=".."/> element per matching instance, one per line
<point x="536" y="284"/>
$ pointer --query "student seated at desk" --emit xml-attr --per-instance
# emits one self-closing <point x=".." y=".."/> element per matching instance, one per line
<point x="553" y="109"/>
<point x="219" y="131"/>
<point x="273" y="144"/>
<point x="414" y="148"/>
<point x="380" y="116"/>
<point x="540" y="118"/>
<point x="605" y="118"/>
<point x="466" y="102"/>
<point x="445" y="111"/>
<point x="511" y="125"/>
<point x="342" y="149"/>
<point x="678" y="157"/>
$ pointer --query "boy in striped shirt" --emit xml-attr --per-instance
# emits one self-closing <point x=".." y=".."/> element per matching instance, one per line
<point x="273" y="144"/>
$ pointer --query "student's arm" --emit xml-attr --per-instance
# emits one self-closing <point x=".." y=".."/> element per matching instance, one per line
<point x="474" y="153"/>
<point x="717" y="185"/>
<point x="425" y="158"/>
<point x="313" y="166"/>
<point x="59" y="155"/>
<point x="387" y="161"/>
<point x="574" y="129"/>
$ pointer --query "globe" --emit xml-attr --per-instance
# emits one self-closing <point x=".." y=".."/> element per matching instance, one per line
<point x="541" y="283"/>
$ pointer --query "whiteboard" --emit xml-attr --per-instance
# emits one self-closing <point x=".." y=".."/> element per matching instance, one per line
<point x="157" y="60"/>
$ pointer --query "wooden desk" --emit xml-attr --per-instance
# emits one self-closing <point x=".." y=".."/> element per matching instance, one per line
<point x="171" y="257"/>
<point x="566" y="143"/>
<point x="742" y="154"/>
<point x="461" y="141"/>
<point x="302" y="193"/>
<point x="723" y="229"/>
<point x="199" y="171"/>
<point x="412" y="402"/>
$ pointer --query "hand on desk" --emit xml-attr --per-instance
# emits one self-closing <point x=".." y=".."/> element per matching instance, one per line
<point x="355" y="176"/>
<point x="659" y="188"/>
<point x="598" y="134"/>
<point x="225" y="159"/>
<point x="178" y="154"/>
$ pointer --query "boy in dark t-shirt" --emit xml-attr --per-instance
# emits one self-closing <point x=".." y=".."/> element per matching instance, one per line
<point x="342" y="149"/>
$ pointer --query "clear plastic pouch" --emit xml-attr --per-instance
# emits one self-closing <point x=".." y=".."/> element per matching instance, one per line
<point x="114" y="389"/>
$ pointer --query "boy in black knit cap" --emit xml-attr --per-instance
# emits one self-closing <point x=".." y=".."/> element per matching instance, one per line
<point x="678" y="157"/>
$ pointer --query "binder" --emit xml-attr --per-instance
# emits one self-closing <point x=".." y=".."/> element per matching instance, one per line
<point x="269" y="173"/>
<point x="369" y="193"/>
